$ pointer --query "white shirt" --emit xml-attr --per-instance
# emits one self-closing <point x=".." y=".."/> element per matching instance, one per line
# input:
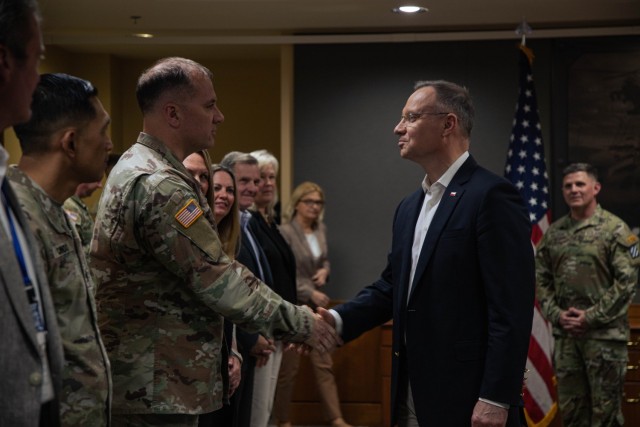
<point x="432" y="198"/>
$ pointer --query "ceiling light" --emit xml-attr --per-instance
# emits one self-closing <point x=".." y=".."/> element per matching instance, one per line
<point x="410" y="9"/>
<point x="142" y="35"/>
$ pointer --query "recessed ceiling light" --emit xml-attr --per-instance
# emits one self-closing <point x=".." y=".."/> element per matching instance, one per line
<point x="142" y="35"/>
<point x="410" y="9"/>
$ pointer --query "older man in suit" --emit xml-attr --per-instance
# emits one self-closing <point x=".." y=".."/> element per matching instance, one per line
<point x="256" y="350"/>
<point x="459" y="282"/>
<point x="31" y="357"/>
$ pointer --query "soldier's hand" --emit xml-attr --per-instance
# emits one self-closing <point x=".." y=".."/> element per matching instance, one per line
<point x="578" y="321"/>
<point x="567" y="321"/>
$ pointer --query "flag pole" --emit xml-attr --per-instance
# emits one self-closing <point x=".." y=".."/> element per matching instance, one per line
<point x="526" y="169"/>
<point x="523" y="30"/>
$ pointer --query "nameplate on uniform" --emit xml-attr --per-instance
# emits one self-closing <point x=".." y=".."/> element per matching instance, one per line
<point x="189" y="213"/>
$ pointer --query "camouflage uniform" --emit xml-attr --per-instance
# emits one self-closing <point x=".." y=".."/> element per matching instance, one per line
<point x="591" y="265"/>
<point x="165" y="285"/>
<point x="81" y="218"/>
<point x="86" y="377"/>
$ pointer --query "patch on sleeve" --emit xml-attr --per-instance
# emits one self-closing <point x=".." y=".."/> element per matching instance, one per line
<point x="634" y="251"/>
<point x="188" y="214"/>
<point x="632" y="239"/>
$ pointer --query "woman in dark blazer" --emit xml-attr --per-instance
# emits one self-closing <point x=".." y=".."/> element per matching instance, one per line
<point x="283" y="272"/>
<point x="306" y="234"/>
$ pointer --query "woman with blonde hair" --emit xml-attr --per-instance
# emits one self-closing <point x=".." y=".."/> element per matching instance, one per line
<point x="305" y="232"/>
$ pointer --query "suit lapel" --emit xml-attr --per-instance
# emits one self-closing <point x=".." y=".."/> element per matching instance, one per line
<point x="412" y="210"/>
<point x="450" y="199"/>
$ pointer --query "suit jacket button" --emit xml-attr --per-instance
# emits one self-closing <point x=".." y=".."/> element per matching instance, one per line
<point x="35" y="378"/>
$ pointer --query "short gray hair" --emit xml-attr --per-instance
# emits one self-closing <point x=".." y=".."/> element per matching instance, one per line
<point x="231" y="159"/>
<point x="454" y="99"/>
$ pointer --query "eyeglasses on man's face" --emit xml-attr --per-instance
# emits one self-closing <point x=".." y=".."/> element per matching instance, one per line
<point x="413" y="117"/>
<point x="311" y="202"/>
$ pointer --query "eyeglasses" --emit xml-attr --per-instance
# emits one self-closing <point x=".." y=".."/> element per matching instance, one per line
<point x="412" y="117"/>
<point x="310" y="202"/>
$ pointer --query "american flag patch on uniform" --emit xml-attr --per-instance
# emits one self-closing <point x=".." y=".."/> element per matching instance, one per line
<point x="188" y="214"/>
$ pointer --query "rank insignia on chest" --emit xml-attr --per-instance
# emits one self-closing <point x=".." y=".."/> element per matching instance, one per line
<point x="188" y="214"/>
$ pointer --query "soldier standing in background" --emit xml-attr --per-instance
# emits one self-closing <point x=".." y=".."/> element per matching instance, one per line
<point x="66" y="143"/>
<point x="164" y="283"/>
<point x="586" y="271"/>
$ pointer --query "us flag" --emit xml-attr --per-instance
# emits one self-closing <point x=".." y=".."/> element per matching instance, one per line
<point x="526" y="169"/>
<point x="189" y="213"/>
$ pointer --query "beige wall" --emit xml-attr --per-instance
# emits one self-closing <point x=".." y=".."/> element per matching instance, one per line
<point x="248" y="94"/>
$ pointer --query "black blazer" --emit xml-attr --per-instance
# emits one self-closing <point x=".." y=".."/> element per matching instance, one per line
<point x="242" y="398"/>
<point x="246" y="257"/>
<point x="468" y="318"/>
<point x="279" y="255"/>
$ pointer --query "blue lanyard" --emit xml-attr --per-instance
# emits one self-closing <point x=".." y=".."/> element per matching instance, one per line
<point x="31" y="292"/>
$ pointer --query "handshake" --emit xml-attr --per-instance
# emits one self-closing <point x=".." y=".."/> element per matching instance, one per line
<point x="324" y="338"/>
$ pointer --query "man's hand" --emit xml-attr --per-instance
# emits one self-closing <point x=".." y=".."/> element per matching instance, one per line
<point x="574" y="321"/>
<point x="488" y="415"/>
<point x="234" y="373"/>
<point x="324" y="338"/>
<point x="320" y="299"/>
<point x="261" y="350"/>
<point x="327" y="317"/>
<point x="320" y="278"/>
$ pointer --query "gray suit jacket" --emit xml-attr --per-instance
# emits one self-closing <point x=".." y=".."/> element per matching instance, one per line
<point x="20" y="362"/>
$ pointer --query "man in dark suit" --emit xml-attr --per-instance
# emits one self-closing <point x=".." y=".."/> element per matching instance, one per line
<point x="31" y="357"/>
<point x="256" y="350"/>
<point x="459" y="282"/>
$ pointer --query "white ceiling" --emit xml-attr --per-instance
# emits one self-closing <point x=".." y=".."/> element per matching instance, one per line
<point x="228" y="28"/>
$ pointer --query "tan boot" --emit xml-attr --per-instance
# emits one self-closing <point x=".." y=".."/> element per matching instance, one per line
<point x="339" y="422"/>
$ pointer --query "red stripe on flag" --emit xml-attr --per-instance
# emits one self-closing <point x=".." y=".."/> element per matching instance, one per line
<point x="542" y="364"/>
<point x="534" y="411"/>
